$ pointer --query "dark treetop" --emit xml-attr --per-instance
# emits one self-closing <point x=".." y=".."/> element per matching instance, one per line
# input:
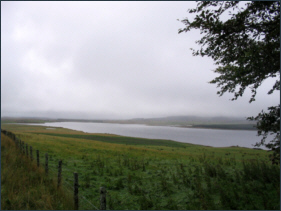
<point x="246" y="48"/>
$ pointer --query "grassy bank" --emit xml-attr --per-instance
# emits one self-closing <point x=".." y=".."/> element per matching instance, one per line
<point x="158" y="174"/>
<point x="24" y="186"/>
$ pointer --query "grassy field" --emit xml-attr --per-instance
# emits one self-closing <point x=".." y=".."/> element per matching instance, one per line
<point x="152" y="174"/>
<point x="26" y="187"/>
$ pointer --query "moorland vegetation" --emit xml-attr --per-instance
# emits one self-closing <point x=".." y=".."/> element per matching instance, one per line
<point x="144" y="174"/>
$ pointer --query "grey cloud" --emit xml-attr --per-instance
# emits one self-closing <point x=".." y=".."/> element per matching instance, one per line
<point x="108" y="59"/>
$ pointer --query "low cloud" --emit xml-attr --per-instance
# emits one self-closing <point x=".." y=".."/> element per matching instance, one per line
<point x="108" y="59"/>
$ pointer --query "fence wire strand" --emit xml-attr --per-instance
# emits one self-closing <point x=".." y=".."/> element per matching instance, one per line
<point x="52" y="163"/>
<point x="66" y="178"/>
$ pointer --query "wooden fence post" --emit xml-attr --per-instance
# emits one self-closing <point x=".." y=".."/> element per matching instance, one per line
<point x="59" y="173"/>
<point x="26" y="149"/>
<point x="102" y="198"/>
<point x="46" y="163"/>
<point x="20" y="145"/>
<point x="76" y="185"/>
<point x="16" y="141"/>
<point x="37" y="152"/>
<point x="23" y="147"/>
<point x="31" y="155"/>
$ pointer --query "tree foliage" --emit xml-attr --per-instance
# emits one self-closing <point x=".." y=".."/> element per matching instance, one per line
<point x="269" y="123"/>
<point x="244" y="41"/>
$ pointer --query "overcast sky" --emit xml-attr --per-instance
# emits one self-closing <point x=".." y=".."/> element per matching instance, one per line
<point x="109" y="60"/>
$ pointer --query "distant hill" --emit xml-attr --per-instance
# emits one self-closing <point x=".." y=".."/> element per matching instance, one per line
<point x="218" y="122"/>
<point x="26" y="120"/>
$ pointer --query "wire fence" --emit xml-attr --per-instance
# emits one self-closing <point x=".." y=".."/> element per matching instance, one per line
<point x="86" y="202"/>
<point x="50" y="163"/>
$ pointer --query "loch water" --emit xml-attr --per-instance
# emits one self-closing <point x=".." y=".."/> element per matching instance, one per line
<point x="206" y="137"/>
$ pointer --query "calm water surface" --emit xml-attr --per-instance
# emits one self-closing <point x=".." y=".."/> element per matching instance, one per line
<point x="207" y="137"/>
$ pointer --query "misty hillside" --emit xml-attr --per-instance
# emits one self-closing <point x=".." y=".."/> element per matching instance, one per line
<point x="218" y="122"/>
<point x="185" y="120"/>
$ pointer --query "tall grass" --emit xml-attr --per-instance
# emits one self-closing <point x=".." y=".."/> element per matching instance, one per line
<point x="24" y="186"/>
<point x="156" y="177"/>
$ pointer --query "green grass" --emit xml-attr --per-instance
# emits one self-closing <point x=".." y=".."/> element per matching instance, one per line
<point x="121" y="140"/>
<point x="26" y="187"/>
<point x="157" y="174"/>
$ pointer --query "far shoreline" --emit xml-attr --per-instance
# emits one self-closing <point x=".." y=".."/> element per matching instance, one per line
<point x="241" y="127"/>
<point x="45" y="124"/>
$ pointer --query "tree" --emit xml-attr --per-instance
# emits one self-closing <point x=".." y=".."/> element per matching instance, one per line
<point x="246" y="48"/>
